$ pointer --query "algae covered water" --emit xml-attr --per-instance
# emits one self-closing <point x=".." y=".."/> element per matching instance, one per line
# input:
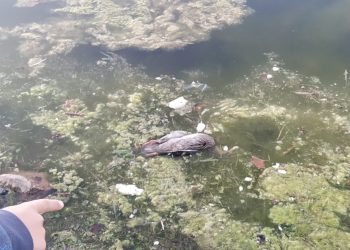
<point x="85" y="84"/>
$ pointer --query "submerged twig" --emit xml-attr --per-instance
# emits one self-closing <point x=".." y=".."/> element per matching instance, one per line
<point x="289" y="150"/>
<point x="280" y="133"/>
<point x="74" y="114"/>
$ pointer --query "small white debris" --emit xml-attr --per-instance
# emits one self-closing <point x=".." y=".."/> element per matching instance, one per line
<point x="162" y="223"/>
<point x="248" y="179"/>
<point x="36" y="61"/>
<point x="280" y="228"/>
<point x="276" y="166"/>
<point x="275" y="68"/>
<point x="178" y="103"/>
<point x="234" y="148"/>
<point x="200" y="127"/>
<point x="128" y="189"/>
<point x="240" y="188"/>
<point x="156" y="243"/>
<point x="131" y="216"/>
<point x="8" y="125"/>
<point x="291" y="199"/>
<point x="278" y="148"/>
<point x="158" y="78"/>
<point x="225" y="148"/>
<point x="268" y="76"/>
<point x="281" y="171"/>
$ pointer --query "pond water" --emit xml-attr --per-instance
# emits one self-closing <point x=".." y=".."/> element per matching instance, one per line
<point x="79" y="95"/>
<point x="312" y="37"/>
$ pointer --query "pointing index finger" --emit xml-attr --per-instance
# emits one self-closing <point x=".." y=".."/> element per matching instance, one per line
<point x="46" y="205"/>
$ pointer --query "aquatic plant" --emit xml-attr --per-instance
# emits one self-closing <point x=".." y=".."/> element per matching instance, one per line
<point x="119" y="24"/>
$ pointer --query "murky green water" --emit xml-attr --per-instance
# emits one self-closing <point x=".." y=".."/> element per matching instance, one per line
<point x="76" y="105"/>
<point x="312" y="37"/>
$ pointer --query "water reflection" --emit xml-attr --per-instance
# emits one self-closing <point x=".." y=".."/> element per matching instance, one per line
<point x="312" y="37"/>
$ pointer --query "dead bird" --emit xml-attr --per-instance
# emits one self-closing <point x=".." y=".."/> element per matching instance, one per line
<point x="178" y="142"/>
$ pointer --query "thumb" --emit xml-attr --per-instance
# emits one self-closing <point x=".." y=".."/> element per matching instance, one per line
<point x="45" y="205"/>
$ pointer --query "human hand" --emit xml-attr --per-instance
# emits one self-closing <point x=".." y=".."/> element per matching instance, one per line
<point x="30" y="213"/>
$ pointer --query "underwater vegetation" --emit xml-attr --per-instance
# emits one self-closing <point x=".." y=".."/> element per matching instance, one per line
<point x="277" y="179"/>
<point x="112" y="24"/>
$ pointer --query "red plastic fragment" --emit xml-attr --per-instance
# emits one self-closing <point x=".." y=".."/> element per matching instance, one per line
<point x="257" y="162"/>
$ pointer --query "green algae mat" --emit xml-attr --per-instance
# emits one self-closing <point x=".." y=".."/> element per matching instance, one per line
<point x="278" y="177"/>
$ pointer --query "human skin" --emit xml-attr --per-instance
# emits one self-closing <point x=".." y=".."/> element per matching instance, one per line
<point x="30" y="213"/>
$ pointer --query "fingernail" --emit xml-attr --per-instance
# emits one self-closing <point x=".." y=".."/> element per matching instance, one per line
<point x="61" y="204"/>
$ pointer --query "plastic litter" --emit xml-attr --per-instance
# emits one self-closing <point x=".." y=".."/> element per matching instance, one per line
<point x="248" y="179"/>
<point x="281" y="171"/>
<point x="178" y="103"/>
<point x="200" y="127"/>
<point x="128" y="189"/>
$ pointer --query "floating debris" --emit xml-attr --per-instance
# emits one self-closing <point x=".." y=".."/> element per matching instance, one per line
<point x="257" y="162"/>
<point x="269" y="76"/>
<point x="281" y="171"/>
<point x="158" y="78"/>
<point x="234" y="148"/>
<point x="181" y="105"/>
<point x="36" y="61"/>
<point x="197" y="85"/>
<point x="248" y="179"/>
<point x="129" y="189"/>
<point x="225" y="148"/>
<point x="346" y="77"/>
<point x="276" y="166"/>
<point x="200" y="127"/>
<point x="178" y="103"/>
